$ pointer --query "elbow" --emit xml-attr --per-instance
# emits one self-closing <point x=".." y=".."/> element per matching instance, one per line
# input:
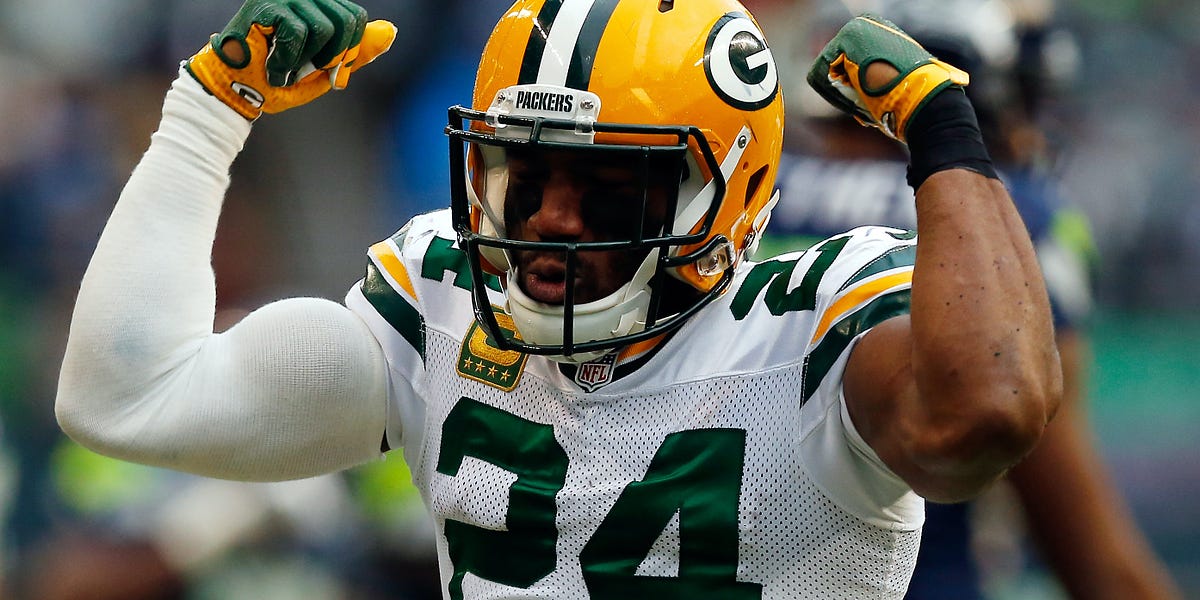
<point x="68" y="414"/>
<point x="1014" y="416"/>
<point x="995" y="432"/>
<point x="89" y="414"/>
<point x="1003" y="434"/>
<point x="74" y="421"/>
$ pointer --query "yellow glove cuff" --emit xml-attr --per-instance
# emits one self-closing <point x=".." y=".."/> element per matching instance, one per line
<point x="894" y="105"/>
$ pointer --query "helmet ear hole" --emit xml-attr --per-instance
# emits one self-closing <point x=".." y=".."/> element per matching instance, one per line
<point x="752" y="184"/>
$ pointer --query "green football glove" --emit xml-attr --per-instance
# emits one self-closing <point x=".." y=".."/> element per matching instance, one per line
<point x="292" y="51"/>
<point x="838" y="74"/>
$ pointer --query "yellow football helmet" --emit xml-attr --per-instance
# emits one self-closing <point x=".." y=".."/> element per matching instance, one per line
<point x="687" y="88"/>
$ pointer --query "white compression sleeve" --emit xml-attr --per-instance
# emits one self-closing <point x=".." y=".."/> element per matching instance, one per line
<point x="298" y="388"/>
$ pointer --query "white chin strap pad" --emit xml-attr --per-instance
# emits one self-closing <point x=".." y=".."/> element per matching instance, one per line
<point x="622" y="312"/>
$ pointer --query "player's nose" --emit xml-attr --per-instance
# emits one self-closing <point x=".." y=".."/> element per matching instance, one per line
<point x="560" y="215"/>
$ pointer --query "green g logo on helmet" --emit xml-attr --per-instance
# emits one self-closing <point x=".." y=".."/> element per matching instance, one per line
<point x="739" y="65"/>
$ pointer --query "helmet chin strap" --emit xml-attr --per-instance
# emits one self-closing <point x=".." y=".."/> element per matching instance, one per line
<point x="694" y="209"/>
<point x="491" y="221"/>
<point x="620" y="313"/>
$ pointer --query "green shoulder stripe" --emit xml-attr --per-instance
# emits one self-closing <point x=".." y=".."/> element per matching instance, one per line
<point x="904" y="256"/>
<point x="395" y="309"/>
<point x="821" y="359"/>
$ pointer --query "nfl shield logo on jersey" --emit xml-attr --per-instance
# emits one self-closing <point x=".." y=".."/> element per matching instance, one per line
<point x="596" y="374"/>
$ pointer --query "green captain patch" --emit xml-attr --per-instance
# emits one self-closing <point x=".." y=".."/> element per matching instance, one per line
<point x="482" y="361"/>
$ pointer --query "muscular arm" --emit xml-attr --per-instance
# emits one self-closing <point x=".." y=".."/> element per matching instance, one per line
<point x="1075" y="513"/>
<point x="957" y="392"/>
<point x="296" y="389"/>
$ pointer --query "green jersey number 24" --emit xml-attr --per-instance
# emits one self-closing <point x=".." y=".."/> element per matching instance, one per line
<point x="695" y="473"/>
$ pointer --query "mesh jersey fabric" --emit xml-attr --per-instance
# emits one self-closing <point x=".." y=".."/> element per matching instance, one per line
<point x="725" y="465"/>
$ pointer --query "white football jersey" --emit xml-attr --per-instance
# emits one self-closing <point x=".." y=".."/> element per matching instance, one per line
<point x="721" y="463"/>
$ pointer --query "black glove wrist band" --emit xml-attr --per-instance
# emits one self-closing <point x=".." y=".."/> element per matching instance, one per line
<point x="945" y="134"/>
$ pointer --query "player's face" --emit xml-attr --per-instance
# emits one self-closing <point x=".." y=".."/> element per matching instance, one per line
<point x="560" y="196"/>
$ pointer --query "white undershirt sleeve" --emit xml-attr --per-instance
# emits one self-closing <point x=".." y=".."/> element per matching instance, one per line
<point x="298" y="388"/>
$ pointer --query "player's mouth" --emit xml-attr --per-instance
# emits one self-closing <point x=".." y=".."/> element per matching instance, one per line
<point x="544" y="289"/>
<point x="543" y="277"/>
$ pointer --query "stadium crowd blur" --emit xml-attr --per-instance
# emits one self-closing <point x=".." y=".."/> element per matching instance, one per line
<point x="81" y="88"/>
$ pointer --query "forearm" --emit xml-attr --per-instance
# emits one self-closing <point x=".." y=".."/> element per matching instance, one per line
<point x="1075" y="512"/>
<point x="1081" y="525"/>
<point x="980" y="312"/>
<point x="984" y="361"/>
<point x="296" y="389"/>
<point x="163" y="223"/>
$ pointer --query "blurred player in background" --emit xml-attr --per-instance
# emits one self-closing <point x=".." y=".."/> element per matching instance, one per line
<point x="835" y="174"/>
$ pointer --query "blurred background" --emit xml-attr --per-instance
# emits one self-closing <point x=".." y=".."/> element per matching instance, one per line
<point x="82" y="83"/>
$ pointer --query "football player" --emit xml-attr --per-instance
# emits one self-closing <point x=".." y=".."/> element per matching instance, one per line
<point x="599" y="394"/>
<point x="1019" y="62"/>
